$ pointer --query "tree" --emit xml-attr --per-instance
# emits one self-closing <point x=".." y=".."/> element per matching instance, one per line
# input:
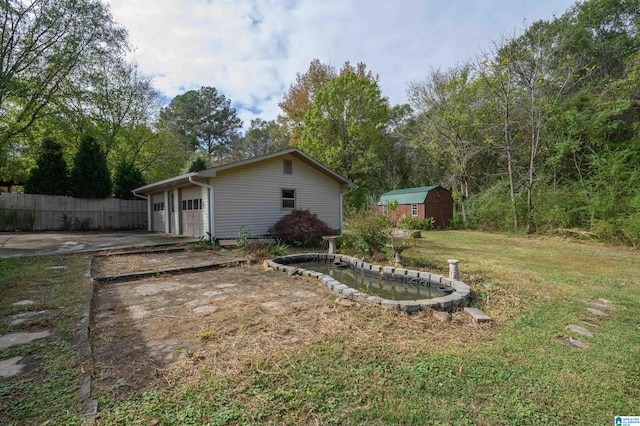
<point x="345" y="129"/>
<point x="263" y="137"/>
<point x="498" y="79"/>
<point x="298" y="101"/>
<point x="44" y="45"/>
<point x="126" y="178"/>
<point x="198" y="164"/>
<point x="90" y="174"/>
<point x="204" y="118"/>
<point x="446" y="104"/>
<point x="300" y="98"/>
<point x="50" y="176"/>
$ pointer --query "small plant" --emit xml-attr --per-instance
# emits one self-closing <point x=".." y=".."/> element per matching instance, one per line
<point x="279" y="249"/>
<point x="300" y="227"/>
<point x="205" y="336"/>
<point x="244" y="234"/>
<point x="204" y="242"/>
<point x="66" y="222"/>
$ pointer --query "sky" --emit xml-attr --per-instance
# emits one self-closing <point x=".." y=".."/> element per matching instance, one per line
<point x="251" y="50"/>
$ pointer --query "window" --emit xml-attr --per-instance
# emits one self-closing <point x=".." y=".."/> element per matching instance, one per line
<point x="287" y="167"/>
<point x="158" y="207"/>
<point x="385" y="210"/>
<point x="194" y="204"/>
<point x="288" y="198"/>
<point x="414" y="210"/>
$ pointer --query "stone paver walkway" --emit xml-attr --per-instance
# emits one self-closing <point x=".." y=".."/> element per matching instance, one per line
<point x="594" y="308"/>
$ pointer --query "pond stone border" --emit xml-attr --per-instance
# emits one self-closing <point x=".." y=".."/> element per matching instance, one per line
<point x="460" y="296"/>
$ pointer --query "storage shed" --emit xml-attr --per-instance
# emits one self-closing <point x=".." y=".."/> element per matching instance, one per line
<point x="421" y="202"/>
<point x="251" y="194"/>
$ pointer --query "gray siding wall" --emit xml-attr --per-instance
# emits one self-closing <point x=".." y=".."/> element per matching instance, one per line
<point x="251" y="196"/>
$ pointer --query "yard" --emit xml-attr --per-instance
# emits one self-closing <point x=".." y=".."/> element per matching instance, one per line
<point x="246" y="346"/>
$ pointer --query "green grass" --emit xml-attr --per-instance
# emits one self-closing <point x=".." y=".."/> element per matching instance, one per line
<point x="50" y="391"/>
<point x="513" y="372"/>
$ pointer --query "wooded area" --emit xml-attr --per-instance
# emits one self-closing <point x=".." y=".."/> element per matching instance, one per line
<point x="538" y="133"/>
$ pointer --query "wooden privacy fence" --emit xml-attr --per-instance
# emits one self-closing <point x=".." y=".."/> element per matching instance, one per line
<point x="31" y="212"/>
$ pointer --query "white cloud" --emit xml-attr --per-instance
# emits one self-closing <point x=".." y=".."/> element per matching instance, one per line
<point x="251" y="50"/>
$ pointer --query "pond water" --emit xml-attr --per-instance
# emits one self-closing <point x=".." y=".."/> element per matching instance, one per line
<point x="378" y="286"/>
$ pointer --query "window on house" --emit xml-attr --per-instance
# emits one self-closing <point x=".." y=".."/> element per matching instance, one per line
<point x="184" y="204"/>
<point x="197" y="204"/>
<point x="288" y="198"/>
<point x="414" y="210"/>
<point x="385" y="210"/>
<point x="158" y="207"/>
<point x="287" y="167"/>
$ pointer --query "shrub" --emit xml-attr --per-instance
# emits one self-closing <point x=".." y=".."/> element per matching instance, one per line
<point x="300" y="227"/>
<point x="410" y="222"/>
<point x="370" y="231"/>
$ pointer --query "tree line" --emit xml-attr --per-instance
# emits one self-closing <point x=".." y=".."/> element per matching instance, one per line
<point x="537" y="133"/>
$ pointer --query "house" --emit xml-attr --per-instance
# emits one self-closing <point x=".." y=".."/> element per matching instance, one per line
<point x="422" y="202"/>
<point x="251" y="194"/>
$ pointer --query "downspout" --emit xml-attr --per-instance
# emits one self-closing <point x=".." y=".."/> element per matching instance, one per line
<point x="133" y="191"/>
<point x="212" y="229"/>
<point x="342" y="194"/>
<point x="149" y="214"/>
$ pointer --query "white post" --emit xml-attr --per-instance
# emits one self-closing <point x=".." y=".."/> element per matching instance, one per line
<point x="454" y="272"/>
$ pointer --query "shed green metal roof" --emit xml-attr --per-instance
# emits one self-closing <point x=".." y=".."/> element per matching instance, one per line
<point x="407" y="195"/>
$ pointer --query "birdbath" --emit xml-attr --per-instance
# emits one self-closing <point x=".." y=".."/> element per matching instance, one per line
<point x="332" y="242"/>
<point x="397" y="252"/>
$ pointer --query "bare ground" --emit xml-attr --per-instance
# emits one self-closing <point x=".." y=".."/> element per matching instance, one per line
<point x="167" y="328"/>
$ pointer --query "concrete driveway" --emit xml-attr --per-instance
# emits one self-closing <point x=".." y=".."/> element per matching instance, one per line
<point x="14" y="244"/>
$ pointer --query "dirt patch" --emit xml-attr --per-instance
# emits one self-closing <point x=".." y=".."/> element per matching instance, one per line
<point x="163" y="329"/>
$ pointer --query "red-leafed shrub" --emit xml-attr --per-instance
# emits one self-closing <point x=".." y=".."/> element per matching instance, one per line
<point x="300" y="227"/>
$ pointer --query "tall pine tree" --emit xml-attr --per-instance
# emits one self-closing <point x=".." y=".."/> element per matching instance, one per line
<point x="50" y="176"/>
<point x="90" y="175"/>
<point x="126" y="178"/>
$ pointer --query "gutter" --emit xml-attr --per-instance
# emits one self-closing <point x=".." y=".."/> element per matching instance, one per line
<point x="133" y="191"/>
<point x="212" y="230"/>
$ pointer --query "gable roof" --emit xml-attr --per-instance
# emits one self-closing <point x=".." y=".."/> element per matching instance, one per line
<point x="407" y="195"/>
<point x="209" y="173"/>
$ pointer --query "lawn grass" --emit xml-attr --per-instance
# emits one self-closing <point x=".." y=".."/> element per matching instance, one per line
<point x="49" y="392"/>
<point x="517" y="373"/>
<point x="383" y="367"/>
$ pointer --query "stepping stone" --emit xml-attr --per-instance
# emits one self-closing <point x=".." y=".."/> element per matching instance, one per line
<point x="27" y="317"/>
<point x="597" y="313"/>
<point x="601" y="306"/>
<point x="575" y="343"/>
<point x="20" y="338"/>
<point x="442" y="316"/>
<point x="11" y="367"/>
<point x="478" y="315"/>
<point x="23" y="303"/>
<point x="605" y="301"/>
<point x="581" y="330"/>
<point x="56" y="267"/>
<point x="590" y="323"/>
